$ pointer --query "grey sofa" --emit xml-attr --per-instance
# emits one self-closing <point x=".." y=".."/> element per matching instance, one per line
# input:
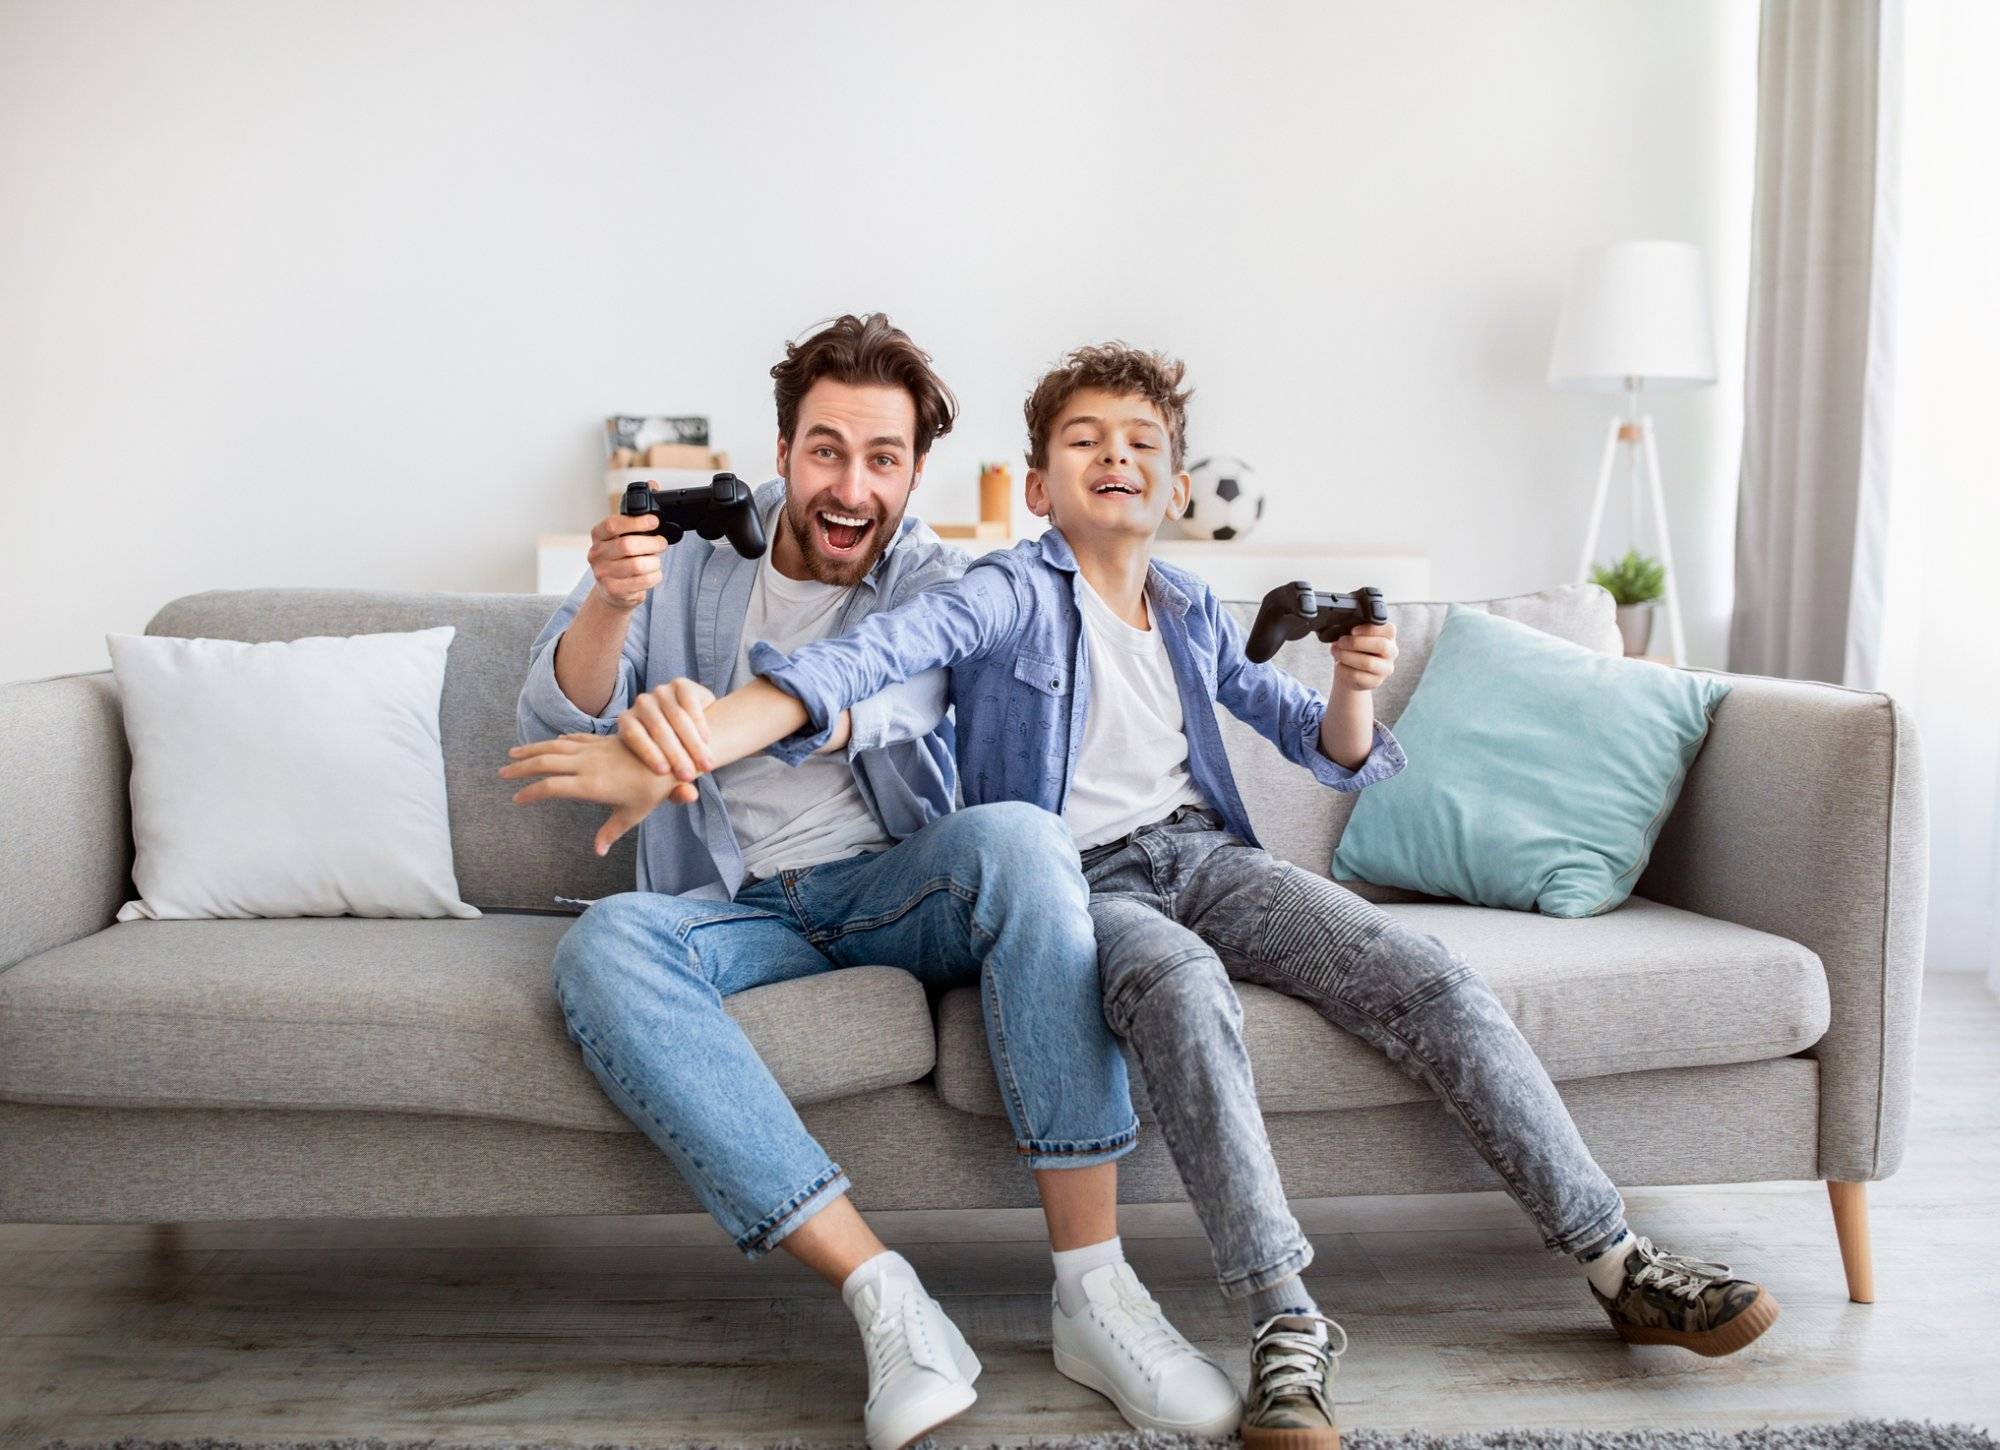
<point x="1761" y="986"/>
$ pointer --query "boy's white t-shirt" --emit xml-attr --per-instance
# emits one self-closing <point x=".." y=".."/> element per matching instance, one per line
<point x="789" y="817"/>
<point x="1132" y="769"/>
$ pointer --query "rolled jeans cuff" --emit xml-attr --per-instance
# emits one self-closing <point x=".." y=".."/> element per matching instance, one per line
<point x="1598" y="1231"/>
<point x="1086" y="1153"/>
<point x="771" y="1230"/>
<point x="1243" y="1285"/>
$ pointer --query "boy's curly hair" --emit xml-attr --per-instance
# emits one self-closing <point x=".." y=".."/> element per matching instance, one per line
<point x="1111" y="367"/>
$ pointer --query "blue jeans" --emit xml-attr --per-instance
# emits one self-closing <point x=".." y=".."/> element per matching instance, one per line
<point x="991" y="895"/>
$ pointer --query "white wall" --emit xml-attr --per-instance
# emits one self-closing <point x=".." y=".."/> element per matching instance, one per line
<point x="338" y="294"/>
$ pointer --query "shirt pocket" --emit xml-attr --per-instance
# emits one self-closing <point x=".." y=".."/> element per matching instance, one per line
<point x="1042" y="673"/>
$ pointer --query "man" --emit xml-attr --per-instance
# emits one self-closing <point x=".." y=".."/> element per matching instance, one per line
<point x="854" y="857"/>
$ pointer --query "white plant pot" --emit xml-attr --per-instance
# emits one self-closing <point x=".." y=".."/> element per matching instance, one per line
<point x="1635" y="623"/>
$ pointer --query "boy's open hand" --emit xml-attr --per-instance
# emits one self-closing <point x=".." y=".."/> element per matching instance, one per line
<point x="1364" y="657"/>
<point x="667" y="728"/>
<point x="596" y="768"/>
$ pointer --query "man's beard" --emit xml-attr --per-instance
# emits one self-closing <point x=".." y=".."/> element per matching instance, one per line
<point x="800" y="522"/>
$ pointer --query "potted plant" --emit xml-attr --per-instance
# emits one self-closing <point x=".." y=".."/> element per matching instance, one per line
<point x="1635" y="582"/>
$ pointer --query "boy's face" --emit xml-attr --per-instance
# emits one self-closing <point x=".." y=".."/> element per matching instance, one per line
<point x="848" y="473"/>
<point x="1110" y="472"/>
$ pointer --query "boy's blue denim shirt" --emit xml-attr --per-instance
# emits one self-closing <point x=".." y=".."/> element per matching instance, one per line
<point x="1010" y="631"/>
<point x="691" y="624"/>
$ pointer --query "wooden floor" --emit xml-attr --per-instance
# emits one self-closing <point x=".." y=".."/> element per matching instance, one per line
<point x="653" y="1331"/>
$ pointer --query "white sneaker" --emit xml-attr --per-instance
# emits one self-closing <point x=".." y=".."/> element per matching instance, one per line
<point x="1121" y="1345"/>
<point x="920" y="1369"/>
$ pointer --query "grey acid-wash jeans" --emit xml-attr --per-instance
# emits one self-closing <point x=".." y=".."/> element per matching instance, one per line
<point x="1182" y="906"/>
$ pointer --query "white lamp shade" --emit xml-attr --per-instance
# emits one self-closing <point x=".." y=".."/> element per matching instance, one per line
<point x="1634" y="310"/>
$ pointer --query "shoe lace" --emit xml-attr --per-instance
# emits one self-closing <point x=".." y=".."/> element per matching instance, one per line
<point x="887" y="1341"/>
<point x="1676" y="1273"/>
<point x="1288" y="1362"/>
<point x="1140" y="1327"/>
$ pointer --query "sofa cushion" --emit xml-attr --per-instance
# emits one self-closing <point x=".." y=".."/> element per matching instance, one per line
<point x="1540" y="771"/>
<point x="505" y="856"/>
<point x="1303" y="822"/>
<point x="1645" y="986"/>
<point x="440" y="1016"/>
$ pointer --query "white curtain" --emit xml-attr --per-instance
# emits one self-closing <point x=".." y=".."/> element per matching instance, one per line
<point x="1869" y="513"/>
<point x="1940" y="646"/>
<point x="1819" y="363"/>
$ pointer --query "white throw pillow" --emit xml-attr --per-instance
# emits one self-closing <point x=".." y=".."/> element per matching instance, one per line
<point x="299" y="779"/>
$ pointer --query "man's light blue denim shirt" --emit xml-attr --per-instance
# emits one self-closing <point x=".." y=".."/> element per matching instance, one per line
<point x="691" y="624"/>
<point x="1010" y="631"/>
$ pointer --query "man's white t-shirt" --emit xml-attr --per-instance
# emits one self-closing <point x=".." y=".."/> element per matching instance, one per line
<point x="1132" y="769"/>
<point x="789" y="817"/>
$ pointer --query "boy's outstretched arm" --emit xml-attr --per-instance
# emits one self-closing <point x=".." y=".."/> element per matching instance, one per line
<point x="614" y="770"/>
<point x="805" y="704"/>
<point x="973" y="615"/>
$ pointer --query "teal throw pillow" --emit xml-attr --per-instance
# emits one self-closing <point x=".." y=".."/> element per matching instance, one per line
<point x="1540" y="771"/>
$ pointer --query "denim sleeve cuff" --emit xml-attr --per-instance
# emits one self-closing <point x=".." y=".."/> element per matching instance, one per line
<point x="556" y="712"/>
<point x="868" y="724"/>
<point x="771" y="663"/>
<point x="1385" y="758"/>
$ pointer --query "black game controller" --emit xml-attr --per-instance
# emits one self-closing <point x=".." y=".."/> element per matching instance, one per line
<point x="1295" y="610"/>
<point x="722" y="506"/>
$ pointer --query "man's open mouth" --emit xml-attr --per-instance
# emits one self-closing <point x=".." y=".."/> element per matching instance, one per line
<point x="842" y="533"/>
<point x="1116" y="485"/>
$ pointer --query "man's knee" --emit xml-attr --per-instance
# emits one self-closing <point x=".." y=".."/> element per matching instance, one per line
<point x="601" y="949"/>
<point x="1017" y="843"/>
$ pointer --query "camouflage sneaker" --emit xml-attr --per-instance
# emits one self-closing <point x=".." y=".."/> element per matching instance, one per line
<point x="1292" y="1360"/>
<point x="1667" y="1299"/>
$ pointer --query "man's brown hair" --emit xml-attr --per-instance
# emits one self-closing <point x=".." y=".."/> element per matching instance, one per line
<point x="1110" y="367"/>
<point x="860" y="351"/>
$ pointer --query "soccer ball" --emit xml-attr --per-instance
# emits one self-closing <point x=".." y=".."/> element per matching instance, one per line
<point x="1225" y="502"/>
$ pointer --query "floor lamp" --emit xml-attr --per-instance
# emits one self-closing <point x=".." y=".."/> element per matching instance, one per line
<point x="1635" y="316"/>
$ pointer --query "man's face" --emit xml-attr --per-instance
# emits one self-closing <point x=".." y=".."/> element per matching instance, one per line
<point x="1110" y="471"/>
<point x="848" y="470"/>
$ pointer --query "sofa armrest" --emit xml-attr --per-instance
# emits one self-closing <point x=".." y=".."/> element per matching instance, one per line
<point x="65" y="812"/>
<point x="1804" y="815"/>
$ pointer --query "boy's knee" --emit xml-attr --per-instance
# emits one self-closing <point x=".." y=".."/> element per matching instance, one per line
<point x="1404" y="970"/>
<point x="1189" y="987"/>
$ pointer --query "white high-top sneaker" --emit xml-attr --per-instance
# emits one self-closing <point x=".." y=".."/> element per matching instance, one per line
<point x="1121" y="1345"/>
<point x="920" y="1369"/>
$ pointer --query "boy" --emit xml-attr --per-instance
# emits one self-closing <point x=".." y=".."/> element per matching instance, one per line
<point x="1085" y="678"/>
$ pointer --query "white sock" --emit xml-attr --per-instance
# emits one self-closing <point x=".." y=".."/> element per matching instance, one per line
<point x="887" y="1264"/>
<point x="1607" y="1270"/>
<point x="1073" y="1264"/>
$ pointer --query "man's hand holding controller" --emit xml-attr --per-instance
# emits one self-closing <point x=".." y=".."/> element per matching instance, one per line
<point x="625" y="559"/>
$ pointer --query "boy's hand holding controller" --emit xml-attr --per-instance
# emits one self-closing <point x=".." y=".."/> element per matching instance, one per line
<point x="1356" y="625"/>
<point x="625" y="559"/>
<point x="1364" y="657"/>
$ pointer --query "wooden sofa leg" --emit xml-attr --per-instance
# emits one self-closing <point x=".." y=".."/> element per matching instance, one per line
<point x="1850" y="1225"/>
